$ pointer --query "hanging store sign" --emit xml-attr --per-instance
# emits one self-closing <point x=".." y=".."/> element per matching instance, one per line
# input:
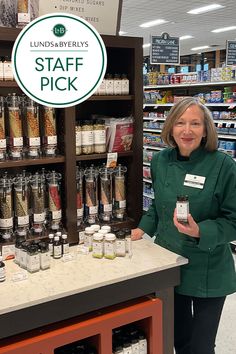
<point x="230" y="52"/>
<point x="103" y="15"/>
<point x="164" y="50"/>
<point x="59" y="60"/>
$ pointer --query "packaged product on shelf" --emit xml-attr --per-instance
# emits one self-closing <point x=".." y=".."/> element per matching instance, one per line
<point x="23" y="13"/>
<point x="102" y="88"/>
<point x="91" y="195"/>
<point x="99" y="136"/>
<point x="37" y="183"/>
<point x="105" y="188"/>
<point x="49" y="131"/>
<point x="79" y="196"/>
<point x="87" y="136"/>
<point x="119" y="192"/>
<point x="78" y="141"/>
<point x="6" y="216"/>
<point x="54" y="200"/>
<point x="32" y="127"/>
<point x="119" y="134"/>
<point x="7" y="70"/>
<point x="15" y="127"/>
<point x="117" y="84"/>
<point x="3" y="144"/>
<point x="124" y="85"/>
<point x="21" y="202"/>
<point x="109" y="84"/>
<point x="1" y="70"/>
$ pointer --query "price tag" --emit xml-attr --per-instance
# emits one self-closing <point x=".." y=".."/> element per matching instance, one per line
<point x="19" y="276"/>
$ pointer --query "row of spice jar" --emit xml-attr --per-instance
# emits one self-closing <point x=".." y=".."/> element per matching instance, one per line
<point x="117" y="84"/>
<point x="90" y="137"/>
<point x="23" y="131"/>
<point x="30" y="203"/>
<point x="106" y="242"/>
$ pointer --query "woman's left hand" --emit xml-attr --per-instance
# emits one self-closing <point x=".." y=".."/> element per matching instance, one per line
<point x="190" y="229"/>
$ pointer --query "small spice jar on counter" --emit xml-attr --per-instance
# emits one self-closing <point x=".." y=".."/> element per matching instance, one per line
<point x="110" y="246"/>
<point x="97" y="245"/>
<point x="120" y="244"/>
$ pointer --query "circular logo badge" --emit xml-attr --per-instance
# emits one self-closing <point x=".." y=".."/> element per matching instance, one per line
<point x="59" y="60"/>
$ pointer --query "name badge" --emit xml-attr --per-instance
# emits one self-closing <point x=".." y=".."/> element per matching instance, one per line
<point x="194" y="181"/>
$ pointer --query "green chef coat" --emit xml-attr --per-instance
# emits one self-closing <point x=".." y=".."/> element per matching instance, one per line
<point x="210" y="271"/>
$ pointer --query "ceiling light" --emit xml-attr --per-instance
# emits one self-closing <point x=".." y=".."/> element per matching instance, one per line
<point x="185" y="37"/>
<point x="146" y="45"/>
<point x="121" y="33"/>
<point x="201" y="10"/>
<point x="224" y="29"/>
<point x="202" y="47"/>
<point x="153" y="23"/>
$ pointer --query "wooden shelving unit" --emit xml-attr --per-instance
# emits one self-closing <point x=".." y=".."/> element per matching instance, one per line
<point x="97" y="328"/>
<point x="130" y="50"/>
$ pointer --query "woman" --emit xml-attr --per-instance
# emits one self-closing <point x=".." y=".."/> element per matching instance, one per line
<point x="192" y="166"/>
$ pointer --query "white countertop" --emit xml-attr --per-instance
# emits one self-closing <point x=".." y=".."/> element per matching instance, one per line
<point x="82" y="274"/>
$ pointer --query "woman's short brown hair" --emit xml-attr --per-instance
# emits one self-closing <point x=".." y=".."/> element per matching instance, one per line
<point x="210" y="142"/>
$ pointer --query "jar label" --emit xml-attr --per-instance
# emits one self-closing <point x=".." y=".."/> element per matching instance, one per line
<point x="93" y="210"/>
<point x="79" y="213"/>
<point x="78" y="138"/>
<point x="56" y="214"/>
<point x="3" y="143"/>
<point x="99" y="137"/>
<point x="33" y="262"/>
<point x="5" y="223"/>
<point x="52" y="140"/>
<point x="98" y="248"/>
<point x="109" y="249"/>
<point x="18" y="141"/>
<point x="34" y="141"/>
<point x="39" y="217"/>
<point x="23" y="220"/>
<point x="45" y="260"/>
<point x="107" y="207"/>
<point x="87" y="138"/>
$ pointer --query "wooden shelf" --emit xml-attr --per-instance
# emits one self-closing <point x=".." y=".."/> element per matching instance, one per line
<point x="31" y="162"/>
<point x="8" y="84"/>
<point x="188" y="85"/>
<point x="9" y="34"/>
<point x="101" y="156"/>
<point x="111" y="98"/>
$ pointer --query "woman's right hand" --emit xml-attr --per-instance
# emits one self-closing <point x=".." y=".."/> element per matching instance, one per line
<point x="136" y="234"/>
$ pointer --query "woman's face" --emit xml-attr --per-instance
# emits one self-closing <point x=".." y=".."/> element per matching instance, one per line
<point x="189" y="129"/>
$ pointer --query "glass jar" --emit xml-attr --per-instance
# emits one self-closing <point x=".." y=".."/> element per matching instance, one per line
<point x="37" y="183"/>
<point x="3" y="144"/>
<point x="87" y="137"/>
<point x="49" y="132"/>
<point x="99" y="136"/>
<point x="88" y="238"/>
<point x="120" y="244"/>
<point x="78" y="139"/>
<point x="117" y="85"/>
<point x="124" y="85"/>
<point x="32" y="128"/>
<point x="45" y="257"/>
<point x="21" y="201"/>
<point x="91" y="195"/>
<point x="33" y="260"/>
<point x="15" y="127"/>
<point x="119" y="192"/>
<point x="105" y="188"/>
<point x="6" y="208"/>
<point x="97" y="245"/>
<point x="110" y="246"/>
<point x="182" y="209"/>
<point x="79" y="195"/>
<point x="54" y="200"/>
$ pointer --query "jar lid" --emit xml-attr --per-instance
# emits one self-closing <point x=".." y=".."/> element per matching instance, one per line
<point x="56" y="238"/>
<point x="64" y="236"/>
<point x="88" y="230"/>
<point x="98" y="236"/>
<point x="120" y="234"/>
<point x="102" y="232"/>
<point x="110" y="237"/>
<point x="50" y="235"/>
<point x="95" y="227"/>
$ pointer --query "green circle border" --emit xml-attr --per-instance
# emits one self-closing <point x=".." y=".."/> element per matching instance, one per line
<point x="71" y="102"/>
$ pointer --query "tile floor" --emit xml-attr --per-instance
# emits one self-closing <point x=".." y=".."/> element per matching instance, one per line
<point x="226" y="337"/>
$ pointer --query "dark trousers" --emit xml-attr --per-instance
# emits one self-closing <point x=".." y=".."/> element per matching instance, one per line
<point x="196" y="323"/>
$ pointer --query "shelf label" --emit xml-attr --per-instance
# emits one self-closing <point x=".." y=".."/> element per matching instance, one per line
<point x="59" y="51"/>
<point x="164" y="50"/>
<point x="230" y="52"/>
